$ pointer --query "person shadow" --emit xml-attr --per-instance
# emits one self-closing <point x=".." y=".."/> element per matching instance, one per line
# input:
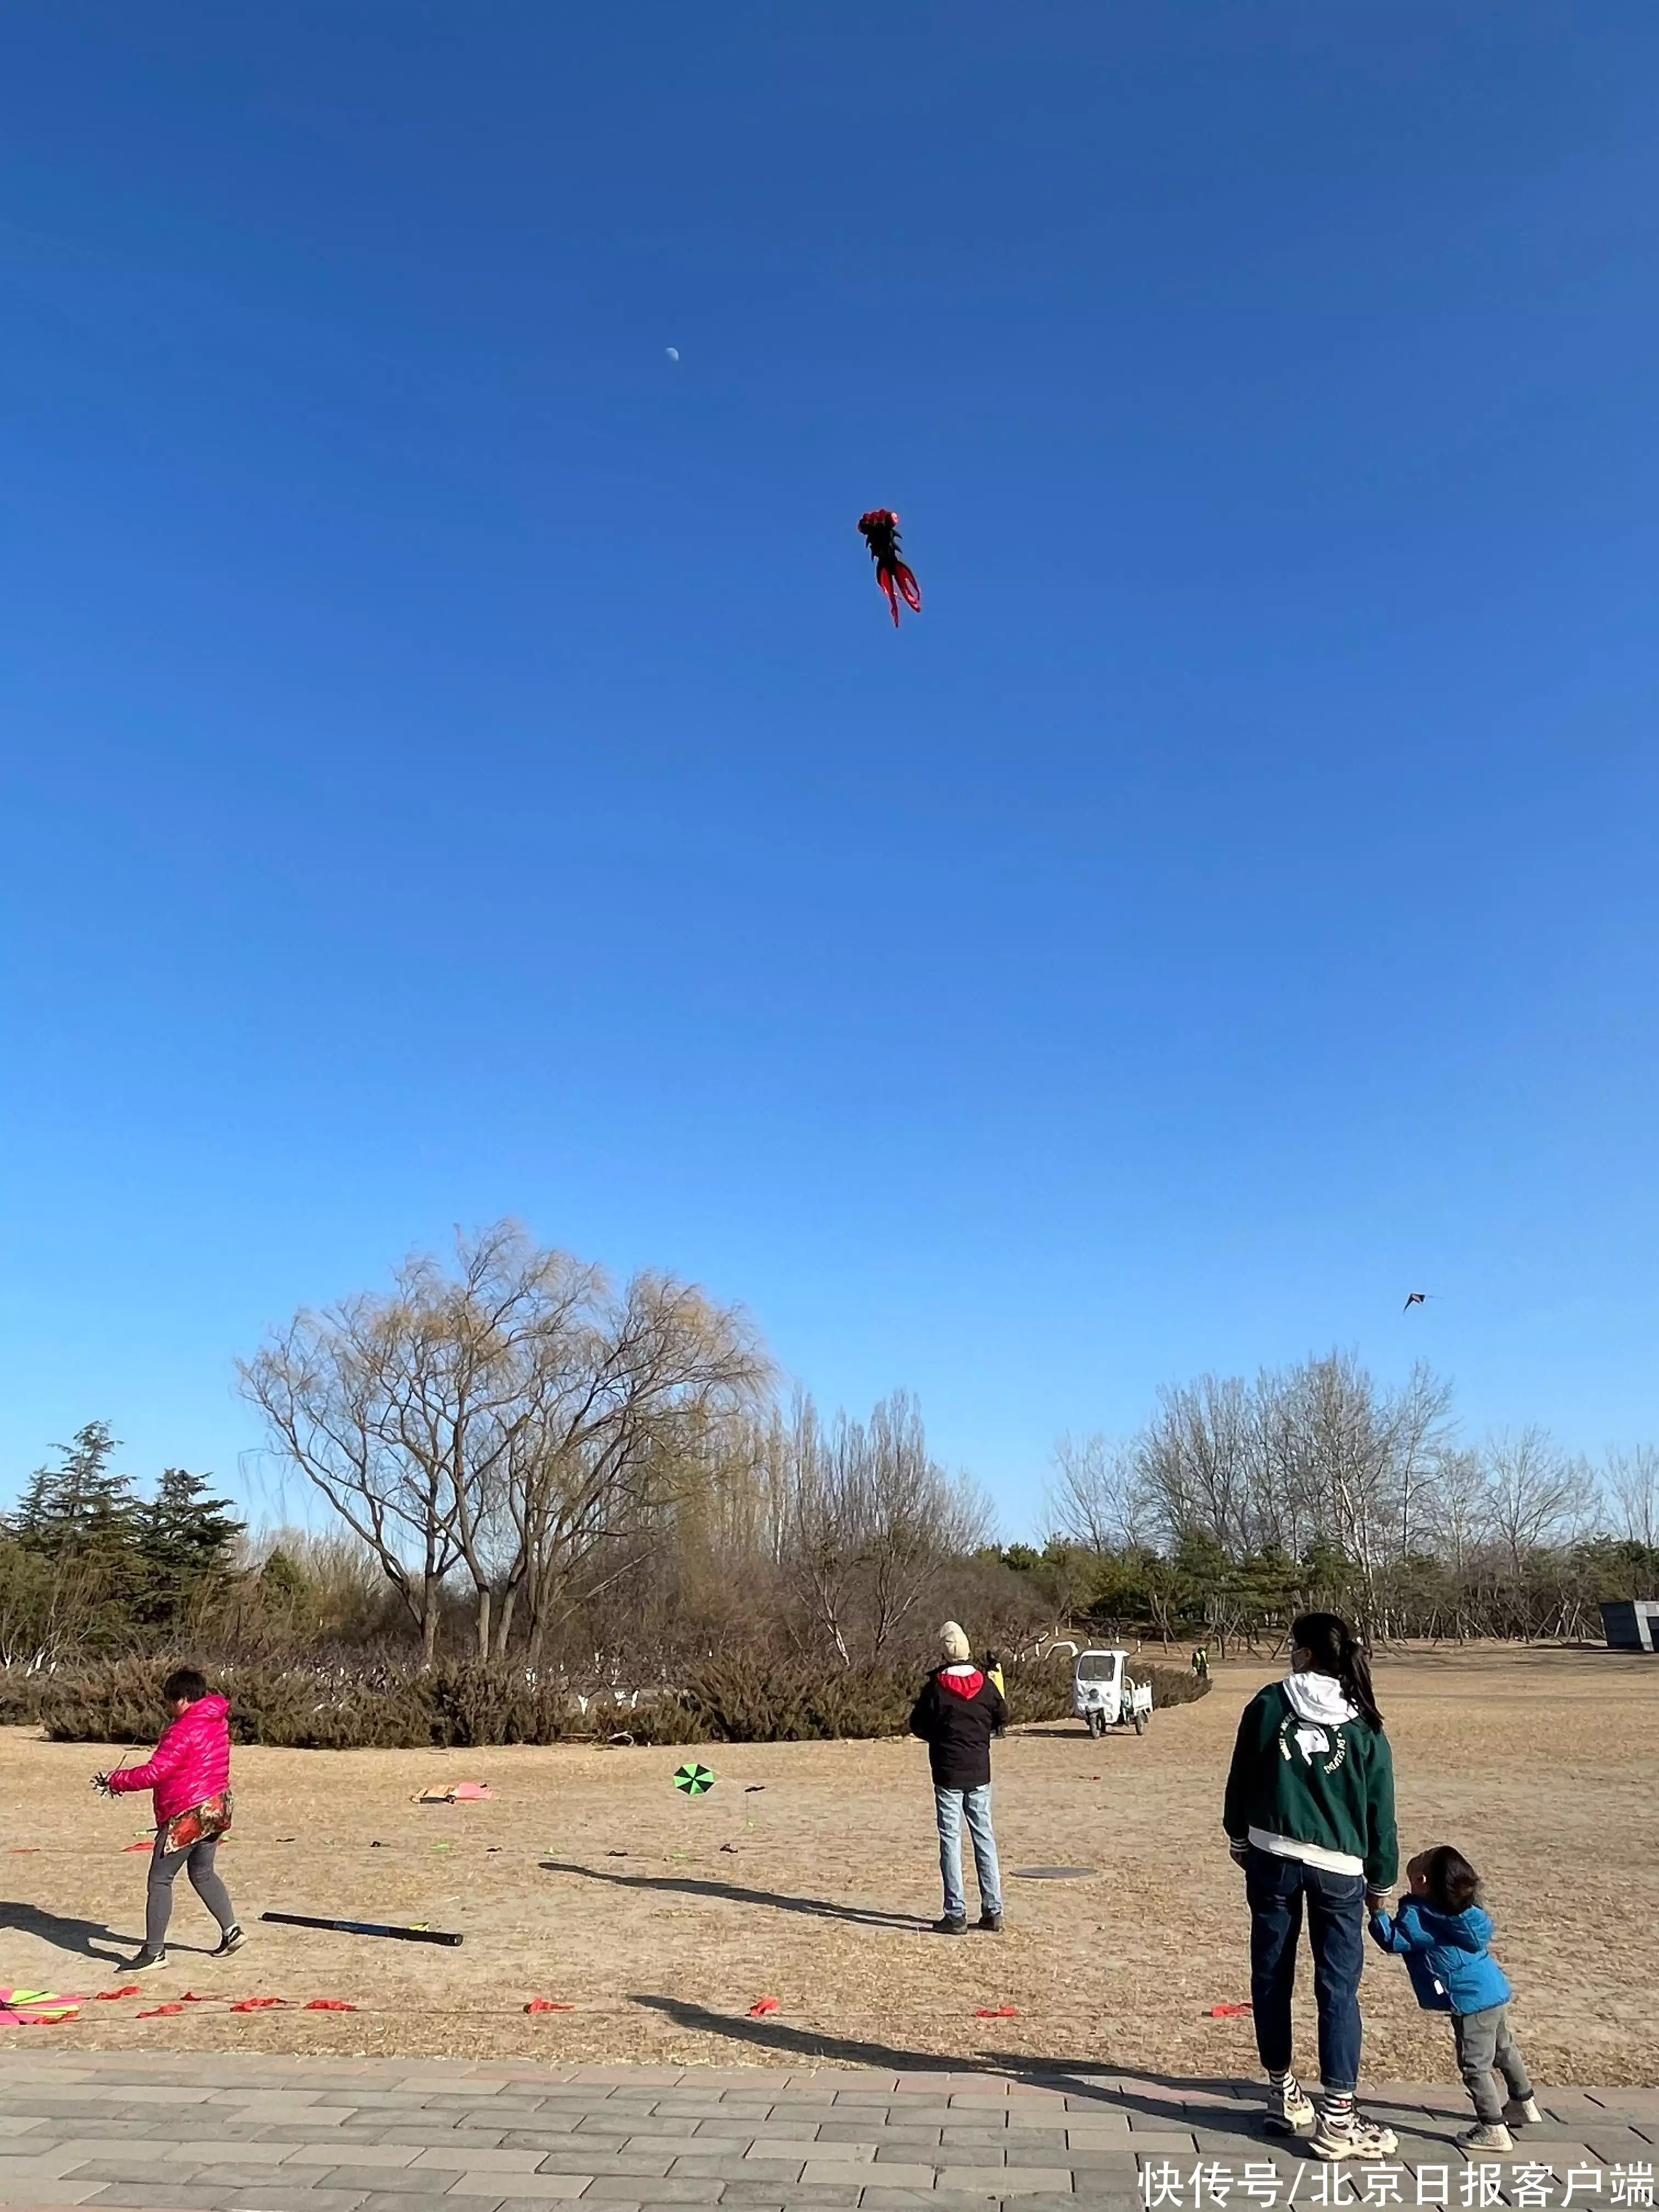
<point x="1227" y="2109"/>
<point x="1124" y="2088"/>
<point x="86" y="1937"/>
<point x="731" y="1893"/>
<point x="1223" y="2109"/>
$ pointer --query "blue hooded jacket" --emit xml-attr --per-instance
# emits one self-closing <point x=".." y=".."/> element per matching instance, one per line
<point x="1445" y="1955"/>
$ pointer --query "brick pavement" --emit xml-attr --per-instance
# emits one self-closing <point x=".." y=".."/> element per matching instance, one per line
<point x="274" y="2134"/>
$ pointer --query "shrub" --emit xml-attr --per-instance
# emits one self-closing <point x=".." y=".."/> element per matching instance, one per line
<point x="1173" y="1686"/>
<point x="739" y="1697"/>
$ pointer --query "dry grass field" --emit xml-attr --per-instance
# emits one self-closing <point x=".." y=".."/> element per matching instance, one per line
<point x="808" y="1874"/>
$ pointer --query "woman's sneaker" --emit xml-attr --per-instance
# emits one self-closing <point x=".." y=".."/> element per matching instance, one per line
<point x="1353" y="2138"/>
<point x="232" y="1940"/>
<point x="1290" y="2108"/>
<point x="1486" y="2134"/>
<point x="146" y="1962"/>
<point x="1523" y="2112"/>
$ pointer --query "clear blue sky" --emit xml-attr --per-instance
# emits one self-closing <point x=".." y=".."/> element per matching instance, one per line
<point x="457" y="764"/>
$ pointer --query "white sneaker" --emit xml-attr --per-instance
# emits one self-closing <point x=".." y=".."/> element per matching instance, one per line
<point x="1354" y="2138"/>
<point x="1523" y="2112"/>
<point x="1290" y="2110"/>
<point x="1486" y="2134"/>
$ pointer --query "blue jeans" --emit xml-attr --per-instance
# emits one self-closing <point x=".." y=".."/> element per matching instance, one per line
<point x="949" y="1808"/>
<point x="1335" y="1905"/>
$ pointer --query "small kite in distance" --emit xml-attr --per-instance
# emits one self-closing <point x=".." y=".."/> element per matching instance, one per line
<point x="693" y="1779"/>
<point x="880" y="533"/>
<point x="1415" y="1298"/>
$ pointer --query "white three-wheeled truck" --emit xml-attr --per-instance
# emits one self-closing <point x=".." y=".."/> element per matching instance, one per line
<point x="1103" y="1695"/>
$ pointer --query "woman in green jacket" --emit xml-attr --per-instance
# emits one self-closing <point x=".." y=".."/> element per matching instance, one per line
<point x="1309" y="1817"/>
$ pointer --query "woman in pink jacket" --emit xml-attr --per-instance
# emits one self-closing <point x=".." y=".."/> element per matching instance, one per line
<point x="189" y="1775"/>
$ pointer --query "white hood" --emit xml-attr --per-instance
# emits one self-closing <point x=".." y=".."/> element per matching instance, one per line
<point x="1319" y="1699"/>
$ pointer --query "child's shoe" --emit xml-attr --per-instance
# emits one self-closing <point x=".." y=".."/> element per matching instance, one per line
<point x="146" y="1962"/>
<point x="232" y="1940"/>
<point x="1486" y="2134"/>
<point x="1523" y="2112"/>
<point x="1354" y="2136"/>
<point x="1290" y="2108"/>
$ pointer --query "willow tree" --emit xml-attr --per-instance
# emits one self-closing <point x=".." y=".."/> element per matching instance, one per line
<point x="505" y="1422"/>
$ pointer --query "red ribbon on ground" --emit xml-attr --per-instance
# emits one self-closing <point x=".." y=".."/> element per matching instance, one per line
<point x="998" y="2012"/>
<point x="160" y="2012"/>
<point x="1225" y="2011"/>
<point x="762" y="2006"/>
<point x="335" y="2004"/>
<point x="108" y="1996"/>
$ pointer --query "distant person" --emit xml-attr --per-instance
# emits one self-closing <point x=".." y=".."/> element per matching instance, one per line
<point x="1442" y="1933"/>
<point x="1309" y="1817"/>
<point x="958" y="1713"/>
<point x="993" y="1675"/>
<point x="189" y="1777"/>
<point x="1202" y="1664"/>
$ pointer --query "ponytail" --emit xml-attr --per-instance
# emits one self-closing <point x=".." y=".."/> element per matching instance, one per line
<point x="1335" y="1649"/>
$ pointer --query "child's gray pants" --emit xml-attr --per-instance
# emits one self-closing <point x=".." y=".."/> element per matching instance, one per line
<point x="1486" y="2049"/>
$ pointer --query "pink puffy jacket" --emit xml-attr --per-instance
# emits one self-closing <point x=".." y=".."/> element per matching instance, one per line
<point x="190" y="1763"/>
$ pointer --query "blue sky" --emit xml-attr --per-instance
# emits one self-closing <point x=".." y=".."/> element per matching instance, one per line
<point x="457" y="764"/>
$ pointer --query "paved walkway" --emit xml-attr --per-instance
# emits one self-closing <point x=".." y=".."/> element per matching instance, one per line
<point x="273" y="2135"/>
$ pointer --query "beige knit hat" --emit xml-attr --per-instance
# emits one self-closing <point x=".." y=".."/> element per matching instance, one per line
<point x="953" y="1642"/>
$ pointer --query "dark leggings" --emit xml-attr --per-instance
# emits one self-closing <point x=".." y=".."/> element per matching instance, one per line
<point x="203" y="1880"/>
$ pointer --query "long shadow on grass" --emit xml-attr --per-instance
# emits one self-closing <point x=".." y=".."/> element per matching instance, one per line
<point x="62" y="1933"/>
<point x="1077" y="2077"/>
<point x="820" y="1908"/>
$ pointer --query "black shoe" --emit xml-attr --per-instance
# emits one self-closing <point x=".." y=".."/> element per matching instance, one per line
<point x="232" y="1940"/>
<point x="145" y="1963"/>
<point x="954" y="1923"/>
<point x="991" y="1923"/>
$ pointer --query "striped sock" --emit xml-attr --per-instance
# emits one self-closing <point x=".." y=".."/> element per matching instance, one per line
<point x="1336" y="2110"/>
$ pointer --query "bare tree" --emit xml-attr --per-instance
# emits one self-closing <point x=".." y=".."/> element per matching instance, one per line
<point x="1196" y="1461"/>
<point x="1632" y="1483"/>
<point x="506" y="1419"/>
<point x="873" y="1522"/>
<point x="1455" y="1508"/>
<point x="1098" y="1498"/>
<point x="1538" y="1495"/>
<point x="917" y="1518"/>
<point x="632" y="1414"/>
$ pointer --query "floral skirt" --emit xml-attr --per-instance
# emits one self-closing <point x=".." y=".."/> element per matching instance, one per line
<point x="202" y="1824"/>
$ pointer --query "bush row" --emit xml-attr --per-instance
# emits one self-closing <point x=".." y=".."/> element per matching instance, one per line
<point x="736" y="1698"/>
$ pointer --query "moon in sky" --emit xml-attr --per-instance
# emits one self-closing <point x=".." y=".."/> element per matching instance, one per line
<point x="673" y="352"/>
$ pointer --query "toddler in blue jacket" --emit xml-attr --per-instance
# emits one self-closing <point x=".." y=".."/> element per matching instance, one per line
<point x="1442" y="1934"/>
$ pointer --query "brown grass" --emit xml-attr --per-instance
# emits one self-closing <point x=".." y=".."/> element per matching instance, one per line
<point x="661" y="1919"/>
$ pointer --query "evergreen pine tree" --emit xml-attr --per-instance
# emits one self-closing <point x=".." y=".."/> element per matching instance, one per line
<point x="182" y="1538"/>
<point x="80" y="1508"/>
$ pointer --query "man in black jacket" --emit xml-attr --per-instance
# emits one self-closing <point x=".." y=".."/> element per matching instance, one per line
<point x="955" y="1716"/>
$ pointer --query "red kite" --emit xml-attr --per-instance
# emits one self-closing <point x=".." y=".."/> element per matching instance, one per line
<point x="880" y="529"/>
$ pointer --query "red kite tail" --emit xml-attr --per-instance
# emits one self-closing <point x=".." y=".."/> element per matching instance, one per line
<point x="885" y="578"/>
<point x="907" y="583"/>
